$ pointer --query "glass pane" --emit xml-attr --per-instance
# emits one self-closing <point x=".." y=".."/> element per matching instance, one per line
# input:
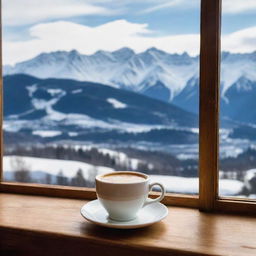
<point x="238" y="104"/>
<point x="98" y="86"/>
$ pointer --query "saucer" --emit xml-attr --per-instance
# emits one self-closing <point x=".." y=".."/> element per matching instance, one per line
<point x="148" y="215"/>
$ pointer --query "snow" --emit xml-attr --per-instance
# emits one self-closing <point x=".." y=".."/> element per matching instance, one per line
<point x="130" y="70"/>
<point x="53" y="115"/>
<point x="80" y="120"/>
<point x="53" y="166"/>
<point x="39" y="167"/>
<point x="16" y="125"/>
<point x="235" y="66"/>
<point x="116" y="103"/>
<point x="191" y="185"/>
<point x="120" y="157"/>
<point x="72" y="134"/>
<point x="31" y="89"/>
<point x="194" y="130"/>
<point x="55" y="92"/>
<point x="45" y="134"/>
<point x="177" y="184"/>
<point x="133" y="71"/>
<point x="250" y="174"/>
<point x="230" y="187"/>
<point x="76" y="91"/>
<point x="48" y="104"/>
<point x="55" y="118"/>
<point x="43" y="104"/>
<point x="233" y="147"/>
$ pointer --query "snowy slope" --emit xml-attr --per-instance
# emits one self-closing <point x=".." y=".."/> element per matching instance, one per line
<point x="137" y="72"/>
<point x="191" y="185"/>
<point x="55" y="106"/>
<point x="236" y="66"/>
<point x="53" y="166"/>
<point x="122" y="68"/>
<point x="39" y="167"/>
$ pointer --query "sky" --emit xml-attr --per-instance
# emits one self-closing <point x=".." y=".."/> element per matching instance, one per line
<point x="34" y="26"/>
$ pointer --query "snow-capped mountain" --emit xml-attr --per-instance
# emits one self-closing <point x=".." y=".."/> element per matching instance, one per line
<point x="237" y="66"/>
<point x="154" y="73"/>
<point x="238" y="89"/>
<point x="121" y="69"/>
<point x="239" y="102"/>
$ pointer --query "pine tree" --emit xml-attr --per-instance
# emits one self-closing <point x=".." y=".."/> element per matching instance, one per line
<point x="21" y="170"/>
<point x="61" y="179"/>
<point x="79" y="180"/>
<point x="48" y="178"/>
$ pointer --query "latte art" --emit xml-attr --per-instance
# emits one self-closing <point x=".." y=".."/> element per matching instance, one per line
<point x="122" y="178"/>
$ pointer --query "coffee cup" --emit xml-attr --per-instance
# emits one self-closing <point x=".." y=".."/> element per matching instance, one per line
<point x="123" y="194"/>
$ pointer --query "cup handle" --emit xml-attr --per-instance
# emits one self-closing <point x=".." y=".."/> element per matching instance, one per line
<point x="158" y="199"/>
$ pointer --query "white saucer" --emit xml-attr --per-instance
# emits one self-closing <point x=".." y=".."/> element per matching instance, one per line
<point x="148" y="215"/>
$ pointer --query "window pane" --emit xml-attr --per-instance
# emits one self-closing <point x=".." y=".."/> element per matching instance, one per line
<point x="97" y="86"/>
<point x="238" y="104"/>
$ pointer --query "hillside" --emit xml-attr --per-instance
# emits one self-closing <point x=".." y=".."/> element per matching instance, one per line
<point x="64" y="108"/>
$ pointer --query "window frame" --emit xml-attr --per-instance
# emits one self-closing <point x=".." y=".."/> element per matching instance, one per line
<point x="208" y="199"/>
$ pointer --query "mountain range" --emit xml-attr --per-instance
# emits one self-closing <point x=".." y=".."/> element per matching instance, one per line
<point x="146" y="72"/>
<point x="154" y="73"/>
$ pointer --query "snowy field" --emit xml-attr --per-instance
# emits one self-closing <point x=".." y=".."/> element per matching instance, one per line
<point x="52" y="166"/>
<point x="40" y="167"/>
<point x="191" y="185"/>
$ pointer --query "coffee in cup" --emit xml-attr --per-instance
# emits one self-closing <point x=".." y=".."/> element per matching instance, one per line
<point x="123" y="194"/>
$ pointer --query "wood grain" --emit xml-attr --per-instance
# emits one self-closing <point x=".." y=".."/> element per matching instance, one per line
<point x="209" y="103"/>
<point x="234" y="205"/>
<point x="86" y="193"/>
<point x="32" y="225"/>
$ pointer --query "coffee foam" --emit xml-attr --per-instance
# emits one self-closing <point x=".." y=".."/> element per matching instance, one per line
<point x="123" y="178"/>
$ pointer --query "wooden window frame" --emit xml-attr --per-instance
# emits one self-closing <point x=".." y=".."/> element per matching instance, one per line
<point x="208" y="199"/>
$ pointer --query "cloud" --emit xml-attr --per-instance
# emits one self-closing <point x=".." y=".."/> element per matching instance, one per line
<point x="27" y="12"/>
<point x="228" y="6"/>
<point x="110" y="36"/>
<point x="241" y="41"/>
<point x="17" y="12"/>
<point x="238" y="6"/>
<point x="183" y="4"/>
<point x="62" y="35"/>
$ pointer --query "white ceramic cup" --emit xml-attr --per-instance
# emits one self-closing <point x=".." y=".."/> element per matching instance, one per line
<point x="121" y="200"/>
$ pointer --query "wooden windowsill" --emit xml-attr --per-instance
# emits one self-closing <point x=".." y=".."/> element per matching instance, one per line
<point x="34" y="225"/>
